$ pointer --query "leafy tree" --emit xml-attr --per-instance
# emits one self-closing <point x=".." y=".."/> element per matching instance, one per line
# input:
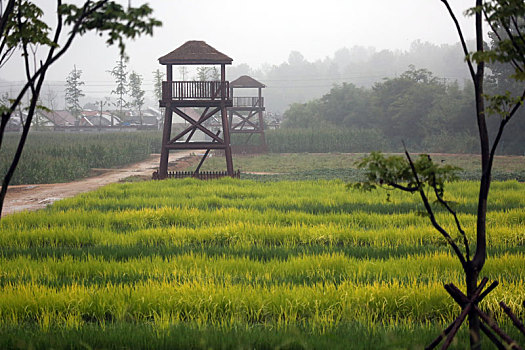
<point x="418" y="176"/>
<point x="136" y="93"/>
<point x="120" y="74"/>
<point x="347" y="105"/>
<point x="23" y="30"/>
<point x="416" y="98"/>
<point x="50" y="98"/>
<point x="500" y="82"/>
<point x="207" y="74"/>
<point x="404" y="102"/>
<point x="4" y="100"/>
<point x="303" y="115"/>
<point x="214" y="74"/>
<point x="202" y="74"/>
<point x="73" y="91"/>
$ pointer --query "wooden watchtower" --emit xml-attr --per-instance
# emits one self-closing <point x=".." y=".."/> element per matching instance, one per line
<point x="246" y="115"/>
<point x="212" y="97"/>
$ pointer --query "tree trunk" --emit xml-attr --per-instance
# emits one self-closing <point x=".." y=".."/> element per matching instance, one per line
<point x="475" y="266"/>
<point x="473" y="319"/>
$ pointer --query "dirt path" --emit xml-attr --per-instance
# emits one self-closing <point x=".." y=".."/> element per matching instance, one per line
<point x="34" y="197"/>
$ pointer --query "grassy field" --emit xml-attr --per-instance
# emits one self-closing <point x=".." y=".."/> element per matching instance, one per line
<point x="313" y="166"/>
<point x="51" y="157"/>
<point x="239" y="264"/>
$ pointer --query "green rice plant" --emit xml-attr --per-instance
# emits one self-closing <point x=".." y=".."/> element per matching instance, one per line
<point x="225" y="257"/>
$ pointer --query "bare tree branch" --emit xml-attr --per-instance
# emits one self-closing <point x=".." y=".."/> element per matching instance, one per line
<point x="461" y="38"/>
<point x="49" y="61"/>
<point x="517" y="105"/>
<point x="5" y="15"/>
<point x="456" y="219"/>
<point x="430" y="212"/>
<point x="502" y="125"/>
<point x="494" y="30"/>
<point x="516" y="45"/>
<point x="40" y="75"/>
<point x="517" y="29"/>
<point x="6" y="56"/>
<point x="25" y="55"/>
<point x="404" y="188"/>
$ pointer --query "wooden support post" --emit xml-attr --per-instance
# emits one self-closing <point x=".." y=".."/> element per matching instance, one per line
<point x="166" y="136"/>
<point x="517" y="323"/>
<point x="225" y="125"/>
<point x="261" y="122"/>
<point x="489" y="327"/>
<point x="166" y="132"/>
<point x="196" y="172"/>
<point x="492" y="337"/>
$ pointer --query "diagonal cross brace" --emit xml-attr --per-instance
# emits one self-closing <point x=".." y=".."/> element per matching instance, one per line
<point x="245" y="120"/>
<point x="517" y="323"/>
<point x="196" y="125"/>
<point x="466" y="309"/>
<point x="486" y="318"/>
<point x="471" y="305"/>
<point x="202" y="119"/>
<point x="462" y="303"/>
<point x="196" y="172"/>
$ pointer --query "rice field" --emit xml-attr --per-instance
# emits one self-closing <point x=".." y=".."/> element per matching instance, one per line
<point x="329" y="166"/>
<point x="239" y="264"/>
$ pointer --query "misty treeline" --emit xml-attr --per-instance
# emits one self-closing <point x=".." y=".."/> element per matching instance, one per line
<point x="299" y="80"/>
<point x="425" y="112"/>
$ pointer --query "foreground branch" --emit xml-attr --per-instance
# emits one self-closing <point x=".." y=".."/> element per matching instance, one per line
<point x="430" y="212"/>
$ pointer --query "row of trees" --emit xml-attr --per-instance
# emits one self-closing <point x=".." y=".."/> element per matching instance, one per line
<point x="299" y="80"/>
<point x="127" y="85"/>
<point x="425" y="111"/>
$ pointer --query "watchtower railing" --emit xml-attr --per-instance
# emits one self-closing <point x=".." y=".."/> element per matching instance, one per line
<point x="248" y="102"/>
<point x="195" y="90"/>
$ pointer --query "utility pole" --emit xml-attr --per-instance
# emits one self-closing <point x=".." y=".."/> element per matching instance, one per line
<point x="183" y="71"/>
<point x="102" y="104"/>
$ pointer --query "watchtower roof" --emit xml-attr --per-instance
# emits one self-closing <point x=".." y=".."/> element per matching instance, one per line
<point x="195" y="52"/>
<point x="246" y="82"/>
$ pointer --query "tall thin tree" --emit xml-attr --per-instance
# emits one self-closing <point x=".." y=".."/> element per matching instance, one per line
<point x="422" y="174"/>
<point x="136" y="93"/>
<point x="74" y="92"/>
<point x="120" y="74"/>
<point x="157" y="84"/>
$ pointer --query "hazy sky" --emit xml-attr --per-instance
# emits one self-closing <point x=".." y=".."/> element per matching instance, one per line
<point x="257" y="32"/>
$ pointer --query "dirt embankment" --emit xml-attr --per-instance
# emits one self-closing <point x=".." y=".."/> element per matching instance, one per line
<point x="34" y="197"/>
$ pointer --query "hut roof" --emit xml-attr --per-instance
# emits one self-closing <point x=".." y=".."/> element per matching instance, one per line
<point x="246" y="82"/>
<point x="195" y="52"/>
<point x="192" y="113"/>
<point x="60" y="118"/>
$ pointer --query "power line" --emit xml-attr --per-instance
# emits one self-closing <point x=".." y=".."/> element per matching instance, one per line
<point x="145" y="83"/>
